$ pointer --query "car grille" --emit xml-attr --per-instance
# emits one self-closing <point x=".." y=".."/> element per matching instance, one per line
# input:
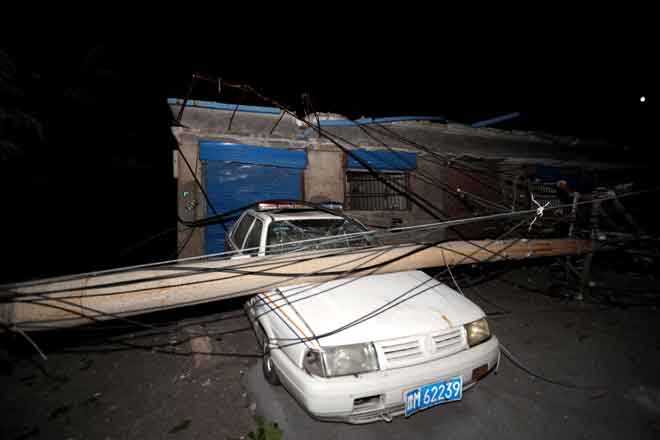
<point x="402" y="351"/>
<point x="448" y="343"/>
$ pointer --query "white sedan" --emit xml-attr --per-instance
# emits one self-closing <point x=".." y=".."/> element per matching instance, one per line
<point x="367" y="348"/>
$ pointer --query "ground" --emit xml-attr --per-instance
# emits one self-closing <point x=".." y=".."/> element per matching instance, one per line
<point x="606" y="358"/>
<point x="136" y="393"/>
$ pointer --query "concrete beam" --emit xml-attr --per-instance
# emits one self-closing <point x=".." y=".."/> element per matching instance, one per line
<point x="65" y="302"/>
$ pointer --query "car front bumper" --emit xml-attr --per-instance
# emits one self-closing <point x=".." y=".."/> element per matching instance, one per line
<point x="379" y="394"/>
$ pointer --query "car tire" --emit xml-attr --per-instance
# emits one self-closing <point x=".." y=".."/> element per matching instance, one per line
<point x="268" y="367"/>
<point x="270" y="373"/>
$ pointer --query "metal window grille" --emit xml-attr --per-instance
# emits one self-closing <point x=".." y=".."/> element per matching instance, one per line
<point x="544" y="192"/>
<point x="365" y="192"/>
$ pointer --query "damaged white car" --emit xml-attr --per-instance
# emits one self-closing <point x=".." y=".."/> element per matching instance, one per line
<point x="367" y="348"/>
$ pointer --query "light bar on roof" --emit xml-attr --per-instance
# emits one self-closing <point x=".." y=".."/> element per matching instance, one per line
<point x="266" y="206"/>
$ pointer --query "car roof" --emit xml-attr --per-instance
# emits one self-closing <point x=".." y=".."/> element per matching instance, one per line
<point x="298" y="214"/>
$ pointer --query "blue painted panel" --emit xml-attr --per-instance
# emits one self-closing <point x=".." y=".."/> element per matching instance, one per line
<point x="235" y="183"/>
<point x="384" y="160"/>
<point x="252" y="154"/>
<point x="492" y="121"/>
<point x="223" y="106"/>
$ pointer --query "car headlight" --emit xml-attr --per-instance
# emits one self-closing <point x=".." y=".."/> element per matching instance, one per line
<point x="477" y="332"/>
<point x="313" y="363"/>
<point x="341" y="360"/>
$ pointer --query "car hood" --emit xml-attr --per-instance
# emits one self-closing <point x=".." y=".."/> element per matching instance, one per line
<point x="430" y="306"/>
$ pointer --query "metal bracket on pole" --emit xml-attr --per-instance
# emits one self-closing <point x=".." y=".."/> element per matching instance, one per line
<point x="586" y="271"/>
<point x="571" y="228"/>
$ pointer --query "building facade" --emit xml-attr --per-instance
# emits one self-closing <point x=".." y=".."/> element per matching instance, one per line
<point x="240" y="155"/>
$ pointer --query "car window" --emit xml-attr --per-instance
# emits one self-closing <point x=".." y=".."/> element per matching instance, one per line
<point x="286" y="231"/>
<point x="243" y="227"/>
<point x="254" y="238"/>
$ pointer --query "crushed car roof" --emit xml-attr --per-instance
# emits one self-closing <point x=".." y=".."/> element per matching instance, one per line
<point x="302" y="214"/>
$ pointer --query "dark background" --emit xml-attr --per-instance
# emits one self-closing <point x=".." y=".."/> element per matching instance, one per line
<point x="86" y="168"/>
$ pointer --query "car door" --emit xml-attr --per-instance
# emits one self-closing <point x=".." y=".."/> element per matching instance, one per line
<point x="234" y="240"/>
<point x="252" y="244"/>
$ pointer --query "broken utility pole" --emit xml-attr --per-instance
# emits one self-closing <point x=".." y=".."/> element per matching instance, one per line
<point x="76" y="300"/>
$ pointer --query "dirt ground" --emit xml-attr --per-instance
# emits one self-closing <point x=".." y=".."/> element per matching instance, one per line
<point x="117" y="391"/>
<point x="119" y="382"/>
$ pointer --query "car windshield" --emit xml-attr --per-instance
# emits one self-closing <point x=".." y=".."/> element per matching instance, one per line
<point x="287" y="231"/>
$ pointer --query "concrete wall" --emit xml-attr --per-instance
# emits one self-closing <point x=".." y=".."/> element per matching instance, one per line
<point x="204" y="120"/>
<point x="459" y="140"/>
<point x="325" y="175"/>
<point x="191" y="204"/>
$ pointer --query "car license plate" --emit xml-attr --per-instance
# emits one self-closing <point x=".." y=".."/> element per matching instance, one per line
<point x="433" y="394"/>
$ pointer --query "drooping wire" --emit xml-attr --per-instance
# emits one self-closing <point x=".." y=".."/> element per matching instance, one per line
<point x="515" y="361"/>
<point x="306" y="274"/>
<point x="442" y="158"/>
<point x="400" y="299"/>
<point x="197" y="182"/>
<point x="192" y="230"/>
<point x="410" y="195"/>
<point x="272" y="130"/>
<point x="16" y="329"/>
<point x="445" y="160"/>
<point x="151" y="309"/>
<point x="43" y="299"/>
<point x="429" y="179"/>
<point x="222" y="255"/>
<point x="233" y="114"/>
<point x="191" y="271"/>
<point x="418" y="200"/>
<point x="171" y="263"/>
<point x="451" y="274"/>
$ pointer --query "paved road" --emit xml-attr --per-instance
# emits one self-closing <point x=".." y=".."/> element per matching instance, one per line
<point x="617" y="349"/>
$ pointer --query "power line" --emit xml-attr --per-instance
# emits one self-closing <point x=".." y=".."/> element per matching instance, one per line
<point x="115" y="316"/>
<point x="322" y="240"/>
<point x="443" y="159"/>
<point x="515" y="361"/>
<point x="197" y="182"/>
<point x="429" y="179"/>
<point x="149" y="309"/>
<point x="418" y="200"/>
<point x="422" y="203"/>
<point x="303" y="258"/>
<point x="299" y="290"/>
<point x="210" y="220"/>
<point x="362" y="270"/>
<point x="237" y="269"/>
<point x="400" y="299"/>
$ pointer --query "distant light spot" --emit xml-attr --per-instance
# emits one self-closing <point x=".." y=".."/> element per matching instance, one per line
<point x="642" y="99"/>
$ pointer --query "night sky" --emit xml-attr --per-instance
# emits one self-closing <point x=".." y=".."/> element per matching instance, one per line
<point x="589" y="87"/>
<point x="100" y="109"/>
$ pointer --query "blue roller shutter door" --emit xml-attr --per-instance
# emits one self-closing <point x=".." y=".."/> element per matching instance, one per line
<point x="237" y="175"/>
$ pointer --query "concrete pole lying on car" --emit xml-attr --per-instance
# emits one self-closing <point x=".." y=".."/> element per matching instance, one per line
<point x="76" y="300"/>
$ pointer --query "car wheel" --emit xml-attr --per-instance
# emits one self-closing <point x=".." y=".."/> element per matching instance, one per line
<point x="268" y="367"/>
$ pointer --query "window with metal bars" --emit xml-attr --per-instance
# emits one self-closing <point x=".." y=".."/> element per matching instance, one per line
<point x="366" y="193"/>
<point x="544" y="192"/>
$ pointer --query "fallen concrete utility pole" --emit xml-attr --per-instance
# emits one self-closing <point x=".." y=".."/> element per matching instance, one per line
<point x="71" y="301"/>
